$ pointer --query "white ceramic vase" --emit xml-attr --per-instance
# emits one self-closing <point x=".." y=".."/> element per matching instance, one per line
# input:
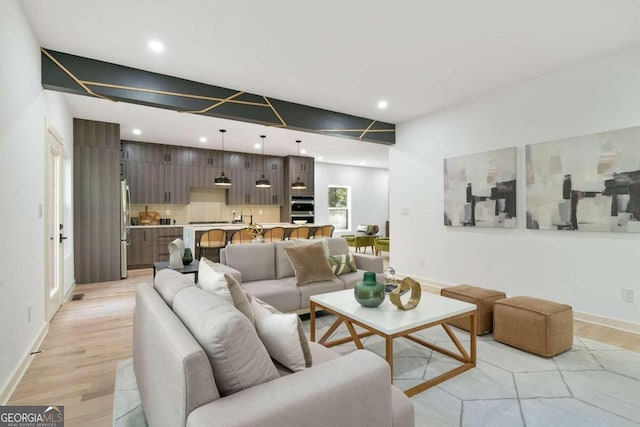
<point x="176" y="249"/>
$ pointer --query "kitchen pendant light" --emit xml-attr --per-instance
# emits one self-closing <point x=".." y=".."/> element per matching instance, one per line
<point x="263" y="182"/>
<point x="297" y="184"/>
<point x="222" y="180"/>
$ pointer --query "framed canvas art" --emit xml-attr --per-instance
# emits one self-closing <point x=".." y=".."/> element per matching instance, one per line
<point x="480" y="189"/>
<point x="589" y="182"/>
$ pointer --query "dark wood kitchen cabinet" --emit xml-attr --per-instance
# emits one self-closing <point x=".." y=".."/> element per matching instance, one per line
<point x="303" y="168"/>
<point x="156" y="173"/>
<point x="150" y="244"/>
<point x="205" y="167"/>
<point x="96" y="211"/>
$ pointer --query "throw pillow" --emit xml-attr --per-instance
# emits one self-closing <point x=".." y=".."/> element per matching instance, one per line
<point x="240" y="297"/>
<point x="342" y="264"/>
<point x="283" y="336"/>
<point x="232" y="289"/>
<point x="309" y="263"/>
<point x="238" y="358"/>
<point x="304" y="242"/>
<point x="213" y="281"/>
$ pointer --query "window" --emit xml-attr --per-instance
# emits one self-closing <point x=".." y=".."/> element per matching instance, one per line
<point x="340" y="207"/>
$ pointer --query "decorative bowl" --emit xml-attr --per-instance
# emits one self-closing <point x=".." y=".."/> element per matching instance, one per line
<point x="300" y="221"/>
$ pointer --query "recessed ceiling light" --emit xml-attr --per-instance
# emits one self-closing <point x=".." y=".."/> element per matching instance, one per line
<point x="203" y="139"/>
<point x="156" y="46"/>
<point x="319" y="157"/>
<point x="362" y="163"/>
<point x="303" y="151"/>
<point x="382" y="105"/>
<point x="137" y="131"/>
<point x="257" y="146"/>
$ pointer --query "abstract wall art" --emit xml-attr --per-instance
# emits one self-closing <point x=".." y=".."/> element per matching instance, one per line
<point x="589" y="183"/>
<point x="480" y="189"/>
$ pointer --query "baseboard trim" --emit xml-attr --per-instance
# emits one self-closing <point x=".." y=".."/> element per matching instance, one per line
<point x="68" y="295"/>
<point x="633" y="328"/>
<point x="18" y="373"/>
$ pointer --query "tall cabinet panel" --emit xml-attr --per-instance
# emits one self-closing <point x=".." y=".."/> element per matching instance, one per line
<point x="96" y="185"/>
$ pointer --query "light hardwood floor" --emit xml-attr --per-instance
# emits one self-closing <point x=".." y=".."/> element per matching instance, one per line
<point x="88" y="337"/>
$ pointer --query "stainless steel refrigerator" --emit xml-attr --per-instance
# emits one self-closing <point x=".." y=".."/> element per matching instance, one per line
<point x="125" y="201"/>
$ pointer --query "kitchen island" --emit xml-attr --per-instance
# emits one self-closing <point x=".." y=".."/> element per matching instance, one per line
<point x="192" y="233"/>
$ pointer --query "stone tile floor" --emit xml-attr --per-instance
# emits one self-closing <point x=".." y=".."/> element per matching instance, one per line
<point x="593" y="384"/>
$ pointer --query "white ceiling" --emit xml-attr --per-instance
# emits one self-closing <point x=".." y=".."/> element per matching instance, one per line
<point x="420" y="56"/>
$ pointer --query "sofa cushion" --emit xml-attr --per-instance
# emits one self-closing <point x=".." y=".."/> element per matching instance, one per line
<point x="283" y="294"/>
<point x="213" y="281"/>
<point x="283" y="336"/>
<point x="337" y="246"/>
<point x="169" y="282"/>
<point x="315" y="288"/>
<point x="309" y="263"/>
<point x="238" y="358"/>
<point x="283" y="265"/>
<point x="255" y="261"/>
<point x="342" y="264"/>
<point x="350" y="279"/>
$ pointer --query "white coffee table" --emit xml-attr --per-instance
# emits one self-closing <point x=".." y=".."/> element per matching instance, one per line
<point x="389" y="322"/>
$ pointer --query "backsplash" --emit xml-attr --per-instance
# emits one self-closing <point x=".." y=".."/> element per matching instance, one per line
<point x="209" y="205"/>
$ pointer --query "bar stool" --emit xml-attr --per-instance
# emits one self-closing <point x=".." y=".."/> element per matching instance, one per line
<point x="274" y="234"/>
<point x="326" y="231"/>
<point x="212" y="239"/>
<point x="241" y="236"/>
<point x="299" y="233"/>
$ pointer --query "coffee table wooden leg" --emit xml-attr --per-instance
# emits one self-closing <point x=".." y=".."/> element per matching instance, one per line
<point x="312" y="320"/>
<point x="354" y="335"/>
<point x="474" y="327"/>
<point x="330" y="331"/>
<point x="389" y="354"/>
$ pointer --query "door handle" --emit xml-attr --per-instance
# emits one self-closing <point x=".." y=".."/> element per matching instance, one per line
<point x="62" y="238"/>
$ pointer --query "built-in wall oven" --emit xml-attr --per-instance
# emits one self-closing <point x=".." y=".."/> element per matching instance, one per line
<point x="302" y="209"/>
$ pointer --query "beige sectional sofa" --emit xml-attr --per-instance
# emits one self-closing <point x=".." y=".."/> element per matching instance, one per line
<point x="174" y="372"/>
<point x="265" y="272"/>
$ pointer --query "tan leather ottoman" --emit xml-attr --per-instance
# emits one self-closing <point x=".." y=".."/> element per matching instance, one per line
<point x="535" y="325"/>
<point x="483" y="299"/>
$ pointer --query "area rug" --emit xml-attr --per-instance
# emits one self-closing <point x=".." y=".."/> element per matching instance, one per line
<point x="127" y="406"/>
<point x="593" y="384"/>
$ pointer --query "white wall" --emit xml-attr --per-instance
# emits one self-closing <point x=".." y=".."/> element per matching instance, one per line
<point x="23" y="109"/>
<point x="369" y="193"/>
<point x="585" y="269"/>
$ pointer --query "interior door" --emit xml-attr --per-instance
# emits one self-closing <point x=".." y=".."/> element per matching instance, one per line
<point x="54" y="228"/>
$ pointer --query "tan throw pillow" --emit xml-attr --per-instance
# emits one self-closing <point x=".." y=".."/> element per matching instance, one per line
<point x="304" y="242"/>
<point x="283" y="336"/>
<point x="309" y="263"/>
<point x="342" y="264"/>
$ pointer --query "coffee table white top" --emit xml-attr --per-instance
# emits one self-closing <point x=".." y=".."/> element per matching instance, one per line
<point x="387" y="318"/>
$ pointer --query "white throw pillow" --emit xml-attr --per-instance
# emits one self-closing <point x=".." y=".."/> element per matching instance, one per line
<point x="213" y="281"/>
<point x="281" y="335"/>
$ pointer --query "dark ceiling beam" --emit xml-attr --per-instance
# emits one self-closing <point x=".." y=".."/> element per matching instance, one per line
<point x="84" y="76"/>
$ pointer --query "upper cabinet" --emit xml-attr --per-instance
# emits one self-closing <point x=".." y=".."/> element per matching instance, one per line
<point x="303" y="168"/>
<point x="157" y="173"/>
<point x="161" y="174"/>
